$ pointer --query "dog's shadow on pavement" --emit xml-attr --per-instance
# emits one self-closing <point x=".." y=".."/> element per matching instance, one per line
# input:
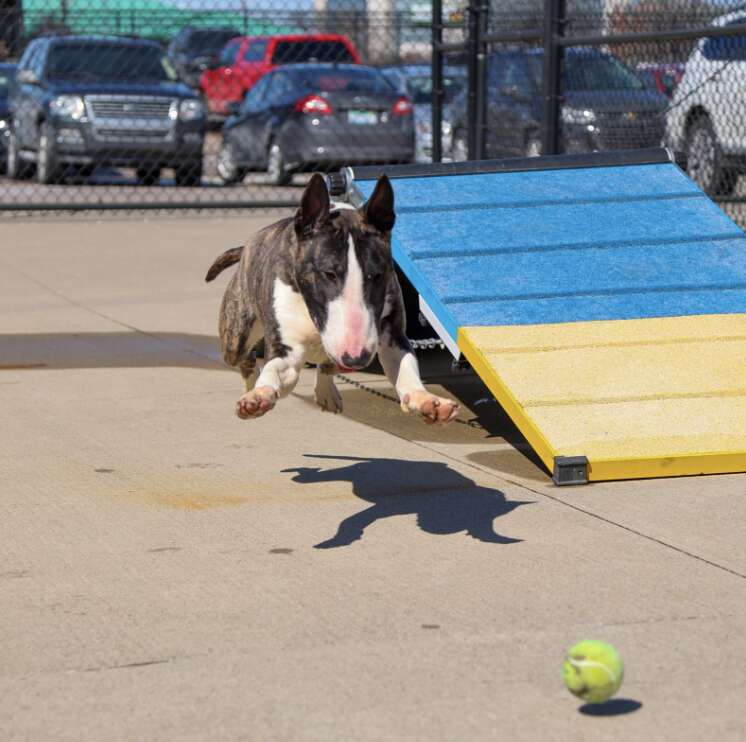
<point x="444" y="500"/>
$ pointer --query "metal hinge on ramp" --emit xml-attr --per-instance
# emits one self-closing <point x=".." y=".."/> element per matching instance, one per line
<point x="570" y="470"/>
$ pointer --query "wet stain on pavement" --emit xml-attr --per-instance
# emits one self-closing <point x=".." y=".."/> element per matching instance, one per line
<point x="164" y="548"/>
<point x="104" y="471"/>
<point x="187" y="500"/>
<point x="197" y="466"/>
<point x="14" y="574"/>
<point x="281" y="550"/>
<point x="430" y="625"/>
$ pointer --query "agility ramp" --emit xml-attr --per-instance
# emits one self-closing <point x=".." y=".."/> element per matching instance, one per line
<point x="601" y="298"/>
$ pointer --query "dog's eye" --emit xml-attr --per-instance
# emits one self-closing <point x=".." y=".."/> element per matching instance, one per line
<point x="330" y="275"/>
<point x="375" y="276"/>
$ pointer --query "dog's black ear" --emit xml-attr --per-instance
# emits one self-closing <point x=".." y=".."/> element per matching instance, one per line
<point x="378" y="210"/>
<point x="314" y="205"/>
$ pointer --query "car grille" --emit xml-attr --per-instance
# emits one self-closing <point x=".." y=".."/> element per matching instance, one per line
<point x="630" y="130"/>
<point x="131" y="118"/>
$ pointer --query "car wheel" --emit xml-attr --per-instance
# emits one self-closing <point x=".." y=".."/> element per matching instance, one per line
<point x="276" y="170"/>
<point x="227" y="167"/>
<point x="189" y="175"/>
<point x="15" y="167"/>
<point x="48" y="169"/>
<point x="533" y="145"/>
<point x="460" y="146"/>
<point x="148" y="176"/>
<point x="704" y="159"/>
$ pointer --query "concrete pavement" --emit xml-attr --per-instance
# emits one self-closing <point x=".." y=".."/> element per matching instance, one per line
<point x="168" y="571"/>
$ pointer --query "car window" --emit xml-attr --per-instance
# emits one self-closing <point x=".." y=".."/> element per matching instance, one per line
<point x="599" y="73"/>
<point x="420" y="88"/>
<point x="107" y="61"/>
<point x="255" y="51"/>
<point x="516" y="76"/>
<point x="36" y="63"/>
<point x="228" y="55"/>
<point x="24" y="62"/>
<point x="209" y="41"/>
<point x="351" y="80"/>
<point x="293" y="52"/>
<point x="254" y="99"/>
<point x="280" y="90"/>
<point x="726" y="48"/>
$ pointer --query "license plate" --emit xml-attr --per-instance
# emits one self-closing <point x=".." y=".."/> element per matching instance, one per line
<point x="362" y="117"/>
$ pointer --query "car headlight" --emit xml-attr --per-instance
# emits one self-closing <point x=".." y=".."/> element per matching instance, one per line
<point x="578" y="116"/>
<point x="191" y="109"/>
<point x="446" y="128"/>
<point x="69" y="106"/>
<point x="3" y="124"/>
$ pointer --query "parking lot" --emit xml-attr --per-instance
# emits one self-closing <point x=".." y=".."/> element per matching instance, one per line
<point x="171" y="572"/>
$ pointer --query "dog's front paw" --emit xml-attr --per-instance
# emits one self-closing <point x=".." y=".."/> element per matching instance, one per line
<point x="433" y="409"/>
<point x="256" y="403"/>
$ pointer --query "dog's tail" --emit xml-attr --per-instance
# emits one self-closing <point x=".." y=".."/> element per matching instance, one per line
<point x="229" y="257"/>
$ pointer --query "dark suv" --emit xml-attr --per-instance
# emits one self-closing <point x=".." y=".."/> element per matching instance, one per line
<point x="604" y="105"/>
<point x="193" y="50"/>
<point x="89" y="101"/>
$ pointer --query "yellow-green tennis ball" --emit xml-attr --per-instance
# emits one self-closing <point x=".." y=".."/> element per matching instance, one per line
<point x="593" y="671"/>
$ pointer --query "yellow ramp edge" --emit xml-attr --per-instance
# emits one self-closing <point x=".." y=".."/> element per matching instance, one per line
<point x="639" y="398"/>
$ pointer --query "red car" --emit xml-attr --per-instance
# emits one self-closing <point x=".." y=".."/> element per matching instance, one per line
<point x="245" y="59"/>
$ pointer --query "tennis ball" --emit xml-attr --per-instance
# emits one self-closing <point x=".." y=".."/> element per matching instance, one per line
<point x="593" y="671"/>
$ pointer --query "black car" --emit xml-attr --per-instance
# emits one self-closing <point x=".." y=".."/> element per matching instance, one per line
<point x="316" y="116"/>
<point x="605" y="105"/>
<point x="7" y="75"/>
<point x="193" y="50"/>
<point x="89" y="101"/>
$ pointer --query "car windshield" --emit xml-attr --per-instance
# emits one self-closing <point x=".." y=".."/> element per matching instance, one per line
<point x="108" y="62"/>
<point x="351" y="81"/>
<point x="294" y="52"/>
<point x="420" y="89"/>
<point x="209" y="41"/>
<point x="599" y="73"/>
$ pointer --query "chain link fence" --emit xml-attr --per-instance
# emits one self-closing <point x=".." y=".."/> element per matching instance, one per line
<point x="201" y="103"/>
<point x="228" y="103"/>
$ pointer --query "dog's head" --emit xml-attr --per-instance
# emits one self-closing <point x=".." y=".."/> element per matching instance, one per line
<point x="343" y="269"/>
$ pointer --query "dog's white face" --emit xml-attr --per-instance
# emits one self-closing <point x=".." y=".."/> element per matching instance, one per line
<point x="344" y="271"/>
<point x="350" y="335"/>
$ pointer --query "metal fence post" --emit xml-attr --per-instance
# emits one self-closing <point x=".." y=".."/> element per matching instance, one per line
<point x="554" y="21"/>
<point x="481" y="85"/>
<point x="472" y="45"/>
<point x="437" y="81"/>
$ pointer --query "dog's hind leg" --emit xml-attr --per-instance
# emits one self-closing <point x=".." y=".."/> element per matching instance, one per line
<point x="326" y="393"/>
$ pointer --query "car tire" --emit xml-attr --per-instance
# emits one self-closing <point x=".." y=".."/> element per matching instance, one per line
<point x="704" y="159"/>
<point x="15" y="167"/>
<point x="277" y="172"/>
<point x="48" y="168"/>
<point x="459" y="146"/>
<point x="148" y="176"/>
<point x="228" y="170"/>
<point x="189" y="175"/>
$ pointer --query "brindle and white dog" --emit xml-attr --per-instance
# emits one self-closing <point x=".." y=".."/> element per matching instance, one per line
<point x="321" y="287"/>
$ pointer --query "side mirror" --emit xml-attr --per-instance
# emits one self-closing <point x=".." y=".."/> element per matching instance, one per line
<point x="27" y="77"/>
